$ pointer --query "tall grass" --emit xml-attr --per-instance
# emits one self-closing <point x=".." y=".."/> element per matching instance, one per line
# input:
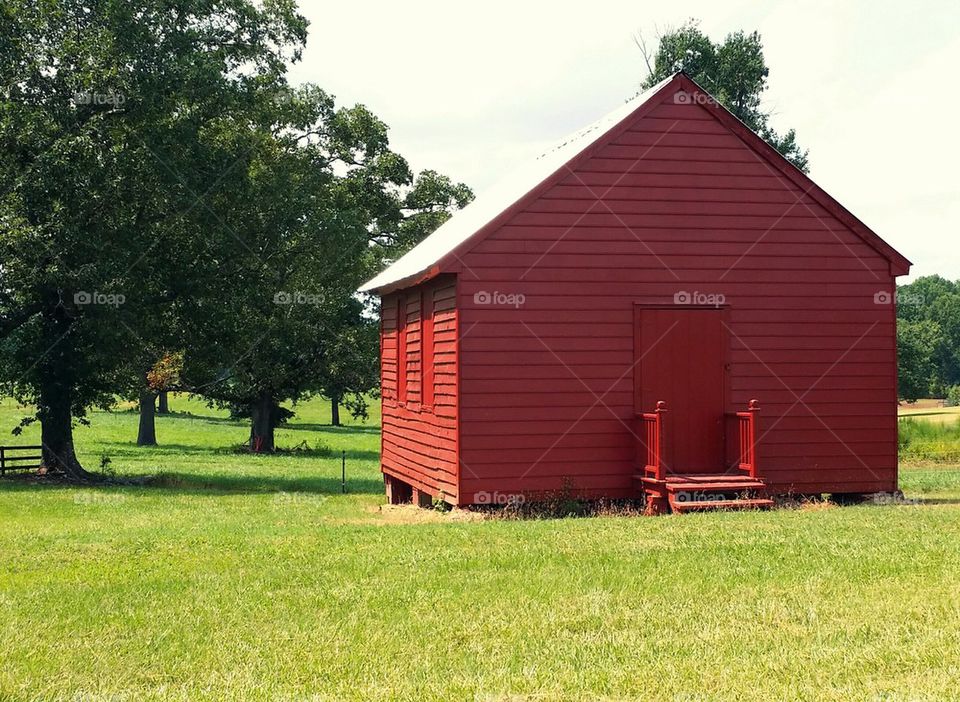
<point x="923" y="441"/>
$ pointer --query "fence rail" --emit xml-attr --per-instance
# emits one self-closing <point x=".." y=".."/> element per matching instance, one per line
<point x="20" y="458"/>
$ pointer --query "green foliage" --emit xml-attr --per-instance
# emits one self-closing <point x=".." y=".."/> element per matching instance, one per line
<point x="426" y="206"/>
<point x="326" y="201"/>
<point x="917" y="345"/>
<point x="125" y="130"/>
<point x="925" y="441"/>
<point x="351" y="365"/>
<point x="440" y="504"/>
<point x="164" y="191"/>
<point x="928" y="336"/>
<point x="953" y="396"/>
<point x="734" y="71"/>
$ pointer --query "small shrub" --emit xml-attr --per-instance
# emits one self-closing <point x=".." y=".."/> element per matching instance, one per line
<point x="564" y="502"/>
<point x="953" y="396"/>
<point x="304" y="449"/>
<point x="440" y="504"/>
<point x="105" y="466"/>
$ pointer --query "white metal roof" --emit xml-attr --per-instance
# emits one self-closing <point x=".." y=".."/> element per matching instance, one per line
<point x="493" y="201"/>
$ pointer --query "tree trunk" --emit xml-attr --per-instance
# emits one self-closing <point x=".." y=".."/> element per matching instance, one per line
<point x="55" y="401"/>
<point x="147" y="432"/>
<point x="262" y="418"/>
<point x="163" y="406"/>
<point x="335" y="411"/>
<point x="56" y="432"/>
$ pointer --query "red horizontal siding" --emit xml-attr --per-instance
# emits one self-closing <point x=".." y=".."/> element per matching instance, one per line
<point x="419" y="444"/>
<point x="614" y="231"/>
<point x="674" y="203"/>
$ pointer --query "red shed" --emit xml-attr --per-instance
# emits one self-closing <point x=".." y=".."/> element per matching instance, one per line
<point x="661" y="306"/>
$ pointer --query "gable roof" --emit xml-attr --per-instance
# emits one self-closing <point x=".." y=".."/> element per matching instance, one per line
<point x="442" y="249"/>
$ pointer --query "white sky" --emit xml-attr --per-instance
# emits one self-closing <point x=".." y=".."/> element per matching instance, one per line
<point x="470" y="90"/>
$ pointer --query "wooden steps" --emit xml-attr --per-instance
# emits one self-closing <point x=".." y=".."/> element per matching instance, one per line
<point x="707" y="491"/>
<point x="715" y="482"/>
<point x="707" y="505"/>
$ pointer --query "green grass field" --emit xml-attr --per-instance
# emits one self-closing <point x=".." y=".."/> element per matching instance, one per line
<point x="932" y="415"/>
<point x="235" y="577"/>
<point x="930" y="436"/>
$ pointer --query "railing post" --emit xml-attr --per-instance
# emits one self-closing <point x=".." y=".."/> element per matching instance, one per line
<point x="660" y="411"/>
<point x="652" y="423"/>
<point x="749" y="447"/>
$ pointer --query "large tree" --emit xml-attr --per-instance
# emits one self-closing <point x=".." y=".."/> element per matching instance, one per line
<point x="734" y="71"/>
<point x="327" y="201"/>
<point x="125" y="130"/>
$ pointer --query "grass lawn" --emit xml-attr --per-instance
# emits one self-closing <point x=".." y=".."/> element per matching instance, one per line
<point x="941" y="415"/>
<point x="930" y="436"/>
<point x="244" y="577"/>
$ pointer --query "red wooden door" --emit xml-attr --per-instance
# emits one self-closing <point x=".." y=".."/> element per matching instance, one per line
<point x="681" y="358"/>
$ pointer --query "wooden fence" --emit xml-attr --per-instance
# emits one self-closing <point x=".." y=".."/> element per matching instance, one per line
<point x="20" y="458"/>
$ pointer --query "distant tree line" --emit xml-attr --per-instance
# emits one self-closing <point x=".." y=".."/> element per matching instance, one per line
<point x="928" y="339"/>
<point x="176" y="216"/>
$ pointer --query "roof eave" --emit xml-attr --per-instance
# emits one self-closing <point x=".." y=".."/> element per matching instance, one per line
<point x="407" y="282"/>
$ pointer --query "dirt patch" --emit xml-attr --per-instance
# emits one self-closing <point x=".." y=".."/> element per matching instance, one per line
<point x="410" y="514"/>
<point x="803" y="503"/>
<point x="817" y="505"/>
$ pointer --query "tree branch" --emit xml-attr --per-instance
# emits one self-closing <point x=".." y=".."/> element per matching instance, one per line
<point x="11" y="322"/>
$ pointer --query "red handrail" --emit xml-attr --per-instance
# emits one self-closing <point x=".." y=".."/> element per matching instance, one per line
<point x="652" y="437"/>
<point x="747" y="424"/>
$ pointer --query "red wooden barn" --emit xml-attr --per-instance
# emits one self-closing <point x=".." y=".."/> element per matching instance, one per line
<point x="661" y="306"/>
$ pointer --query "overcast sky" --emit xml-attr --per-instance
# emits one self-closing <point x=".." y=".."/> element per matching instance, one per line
<point x="470" y="90"/>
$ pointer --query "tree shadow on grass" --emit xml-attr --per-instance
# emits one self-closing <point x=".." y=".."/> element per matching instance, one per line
<point x="190" y="416"/>
<point x="131" y="450"/>
<point x="293" y="425"/>
<point x="934" y="500"/>
<point x="330" y="429"/>
<point x="200" y="484"/>
<point x="123" y="449"/>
